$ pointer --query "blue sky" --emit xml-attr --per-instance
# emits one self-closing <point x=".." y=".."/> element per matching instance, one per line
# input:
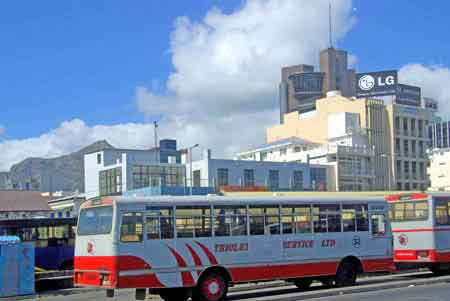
<point x="61" y="60"/>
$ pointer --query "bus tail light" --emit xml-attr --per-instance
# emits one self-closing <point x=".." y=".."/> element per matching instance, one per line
<point x="423" y="254"/>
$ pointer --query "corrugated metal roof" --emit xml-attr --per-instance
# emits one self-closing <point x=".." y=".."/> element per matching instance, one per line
<point x="15" y="200"/>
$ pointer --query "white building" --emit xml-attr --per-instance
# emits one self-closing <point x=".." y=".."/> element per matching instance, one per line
<point x="439" y="169"/>
<point x="346" y="150"/>
<point x="257" y="175"/>
<point x="114" y="171"/>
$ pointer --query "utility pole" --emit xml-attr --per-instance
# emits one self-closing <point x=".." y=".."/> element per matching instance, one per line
<point x="156" y="141"/>
<point x="330" y="33"/>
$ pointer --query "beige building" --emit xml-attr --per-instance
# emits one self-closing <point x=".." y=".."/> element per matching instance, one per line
<point x="386" y="127"/>
<point x="439" y="170"/>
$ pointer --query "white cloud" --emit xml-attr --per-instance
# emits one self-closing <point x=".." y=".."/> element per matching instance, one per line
<point x="434" y="81"/>
<point x="227" y="68"/>
<point x="71" y="136"/>
<point x="223" y="91"/>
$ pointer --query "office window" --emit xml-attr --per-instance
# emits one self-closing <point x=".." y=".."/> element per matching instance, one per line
<point x="405" y="126"/>
<point x="197" y="178"/>
<point x="222" y="176"/>
<point x="422" y="171"/>
<point x="397" y="124"/>
<point x="397" y="146"/>
<point x="421" y="149"/>
<point x="99" y="158"/>
<point x="406" y="169"/>
<point x="413" y="148"/>
<point x="249" y="177"/>
<point x="297" y="180"/>
<point x="157" y="175"/>
<point x="406" y="148"/>
<point x="414" y="169"/>
<point x="399" y="168"/>
<point x="420" y="127"/>
<point x="110" y="181"/>
<point x="274" y="179"/>
<point x="413" y="127"/>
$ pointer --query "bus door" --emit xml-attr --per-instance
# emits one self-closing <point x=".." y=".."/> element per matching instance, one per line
<point x="442" y="222"/>
<point x="380" y="242"/>
<point x="355" y="226"/>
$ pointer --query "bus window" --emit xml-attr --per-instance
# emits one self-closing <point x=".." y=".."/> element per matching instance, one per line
<point x="362" y="218"/>
<point x="378" y="224"/>
<point x="296" y="219"/>
<point x="441" y="212"/>
<point x="193" y="221"/>
<point x="132" y="227"/>
<point x="349" y="218"/>
<point x="264" y="220"/>
<point x="409" y="211"/>
<point x="96" y="220"/>
<point x="159" y="223"/>
<point x="230" y="221"/>
<point x="327" y="218"/>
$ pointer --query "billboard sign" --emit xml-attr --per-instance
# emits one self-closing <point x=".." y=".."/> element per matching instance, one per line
<point x="408" y="95"/>
<point x="376" y="83"/>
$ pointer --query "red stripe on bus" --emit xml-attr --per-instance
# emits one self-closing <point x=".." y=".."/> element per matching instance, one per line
<point x="186" y="276"/>
<point x="195" y="257"/>
<point x="212" y="259"/>
<point x="98" y="265"/>
<point x="257" y="273"/>
<point x="412" y="255"/>
<point x="422" y="230"/>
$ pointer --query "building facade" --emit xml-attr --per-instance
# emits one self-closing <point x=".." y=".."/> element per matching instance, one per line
<point x="114" y="171"/>
<point x="396" y="134"/>
<point x="5" y="181"/>
<point x="257" y="175"/>
<point x="439" y="134"/>
<point x="439" y="169"/>
<point x="301" y="85"/>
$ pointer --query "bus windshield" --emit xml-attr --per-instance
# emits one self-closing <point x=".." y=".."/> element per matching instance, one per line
<point x="96" y="220"/>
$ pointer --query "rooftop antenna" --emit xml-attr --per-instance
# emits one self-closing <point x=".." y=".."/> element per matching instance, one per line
<point x="329" y="22"/>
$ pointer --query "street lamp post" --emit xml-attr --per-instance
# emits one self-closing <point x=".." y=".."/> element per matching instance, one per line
<point x="190" y="166"/>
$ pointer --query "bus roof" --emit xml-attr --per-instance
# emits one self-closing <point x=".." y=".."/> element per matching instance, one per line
<point x="239" y="200"/>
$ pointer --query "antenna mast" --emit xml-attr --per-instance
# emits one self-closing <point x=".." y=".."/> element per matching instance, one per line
<point x="329" y="22"/>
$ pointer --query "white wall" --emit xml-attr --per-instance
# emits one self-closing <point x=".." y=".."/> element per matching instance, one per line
<point x="439" y="170"/>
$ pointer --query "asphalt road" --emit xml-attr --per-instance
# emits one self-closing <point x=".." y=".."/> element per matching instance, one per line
<point x="431" y="292"/>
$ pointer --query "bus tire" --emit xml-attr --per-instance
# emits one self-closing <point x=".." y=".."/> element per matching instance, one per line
<point x="346" y="274"/>
<point x="303" y="283"/>
<point x="211" y="287"/>
<point x="174" y="294"/>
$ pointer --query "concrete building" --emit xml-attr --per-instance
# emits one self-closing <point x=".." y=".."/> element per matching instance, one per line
<point x="395" y="133"/>
<point x="439" y="134"/>
<point x="67" y="206"/>
<point x="114" y="171"/>
<point x="346" y="152"/>
<point x="439" y="169"/>
<point x="301" y="86"/>
<point x="257" y="175"/>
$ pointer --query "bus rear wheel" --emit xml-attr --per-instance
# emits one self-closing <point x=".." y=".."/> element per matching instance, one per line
<point x="211" y="287"/>
<point x="346" y="274"/>
<point x="174" y="294"/>
<point x="303" y="283"/>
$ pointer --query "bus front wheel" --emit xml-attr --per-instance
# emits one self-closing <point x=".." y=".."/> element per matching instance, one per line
<point x="346" y="274"/>
<point x="211" y="287"/>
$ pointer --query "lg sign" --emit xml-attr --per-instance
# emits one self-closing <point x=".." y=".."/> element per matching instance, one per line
<point x="376" y="83"/>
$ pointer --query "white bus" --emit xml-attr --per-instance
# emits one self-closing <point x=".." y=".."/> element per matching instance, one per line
<point x="421" y="229"/>
<point x="197" y="247"/>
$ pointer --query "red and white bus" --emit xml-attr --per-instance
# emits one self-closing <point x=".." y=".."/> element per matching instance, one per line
<point x="197" y="247"/>
<point x="421" y="228"/>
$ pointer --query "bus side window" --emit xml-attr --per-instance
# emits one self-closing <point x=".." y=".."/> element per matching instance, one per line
<point x="193" y="221"/>
<point x="349" y="218"/>
<point x="362" y="218"/>
<point x="441" y="212"/>
<point x="296" y="219"/>
<point x="378" y="224"/>
<point x="132" y="227"/>
<point x="230" y="221"/>
<point x="159" y="223"/>
<point x="327" y="218"/>
<point x="264" y="220"/>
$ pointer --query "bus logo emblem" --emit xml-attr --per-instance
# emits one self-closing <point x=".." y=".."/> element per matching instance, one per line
<point x="403" y="239"/>
<point x="356" y="242"/>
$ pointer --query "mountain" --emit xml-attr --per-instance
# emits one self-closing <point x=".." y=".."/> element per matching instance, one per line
<point x="64" y="173"/>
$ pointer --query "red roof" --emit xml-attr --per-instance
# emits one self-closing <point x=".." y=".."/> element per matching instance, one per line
<point x="15" y="200"/>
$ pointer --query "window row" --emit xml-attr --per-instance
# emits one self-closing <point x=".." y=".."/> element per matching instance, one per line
<point x="160" y="223"/>
<point x="409" y="211"/>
